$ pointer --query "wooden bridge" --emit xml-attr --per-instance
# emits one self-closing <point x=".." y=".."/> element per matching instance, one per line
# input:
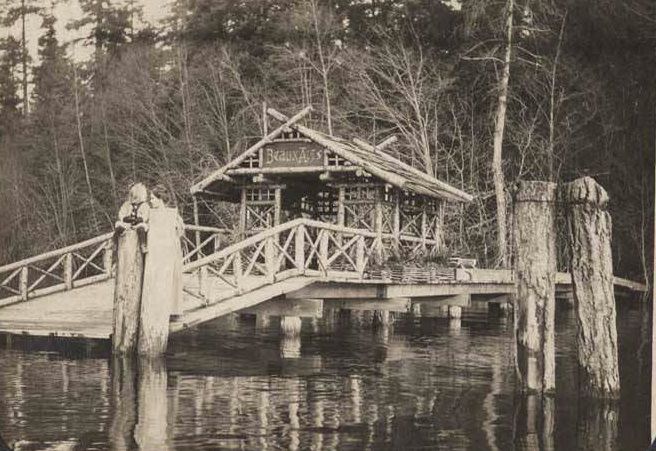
<point x="69" y="292"/>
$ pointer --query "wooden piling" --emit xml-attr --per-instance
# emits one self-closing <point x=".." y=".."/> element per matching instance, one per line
<point x="455" y="312"/>
<point x="290" y="325"/>
<point x="381" y="319"/>
<point x="589" y="236"/>
<point x="535" y="276"/>
<point x="127" y="293"/>
<point x="162" y="281"/>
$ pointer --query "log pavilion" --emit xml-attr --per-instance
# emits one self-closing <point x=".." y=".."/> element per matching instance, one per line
<point x="298" y="172"/>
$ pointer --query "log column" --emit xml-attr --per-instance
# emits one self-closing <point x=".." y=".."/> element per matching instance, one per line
<point x="589" y="236"/>
<point x="162" y="282"/>
<point x="535" y="275"/>
<point x="127" y="293"/>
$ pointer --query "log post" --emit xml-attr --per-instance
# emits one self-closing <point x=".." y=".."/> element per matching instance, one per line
<point x="360" y="250"/>
<point x="270" y="258"/>
<point x="127" y="293"/>
<point x="202" y="271"/>
<point x="108" y="258"/>
<point x="424" y="229"/>
<point x="381" y="319"/>
<point x="396" y="223"/>
<point x="68" y="271"/>
<point x="22" y="282"/>
<point x="378" y="225"/>
<point x="535" y="276"/>
<point x="323" y="250"/>
<point x="162" y="281"/>
<point x="237" y="272"/>
<point x="243" y="214"/>
<point x="589" y="236"/>
<point x="299" y="248"/>
<point x="455" y="312"/>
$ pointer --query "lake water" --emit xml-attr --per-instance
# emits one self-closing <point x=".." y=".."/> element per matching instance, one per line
<point x="422" y="383"/>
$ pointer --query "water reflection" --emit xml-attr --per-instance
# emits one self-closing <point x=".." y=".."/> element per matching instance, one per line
<point x="534" y="422"/>
<point x="598" y="426"/>
<point x="361" y="380"/>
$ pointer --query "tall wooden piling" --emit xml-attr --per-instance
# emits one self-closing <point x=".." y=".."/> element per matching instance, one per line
<point x="535" y="276"/>
<point x="127" y="293"/>
<point x="589" y="236"/>
<point x="162" y="283"/>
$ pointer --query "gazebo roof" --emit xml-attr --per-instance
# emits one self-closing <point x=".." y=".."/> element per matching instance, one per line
<point x="357" y="153"/>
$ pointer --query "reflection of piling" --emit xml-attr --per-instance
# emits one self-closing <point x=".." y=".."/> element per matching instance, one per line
<point x="290" y="340"/>
<point x="124" y="392"/>
<point x="589" y="235"/>
<point x="535" y="275"/>
<point x="139" y="404"/>
<point x="534" y="423"/>
<point x="381" y="319"/>
<point x="597" y="425"/>
<point x="151" y="429"/>
<point x="290" y="326"/>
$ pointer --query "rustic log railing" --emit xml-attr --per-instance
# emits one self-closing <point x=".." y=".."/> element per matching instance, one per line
<point x="296" y="248"/>
<point x="200" y="241"/>
<point x="62" y="269"/>
<point x="85" y="263"/>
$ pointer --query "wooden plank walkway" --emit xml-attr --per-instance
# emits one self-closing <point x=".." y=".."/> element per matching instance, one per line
<point x="86" y="312"/>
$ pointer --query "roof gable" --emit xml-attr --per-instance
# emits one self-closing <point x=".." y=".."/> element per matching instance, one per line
<point x="376" y="162"/>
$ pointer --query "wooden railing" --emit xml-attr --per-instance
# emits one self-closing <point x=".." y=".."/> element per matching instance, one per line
<point x="201" y="241"/>
<point x="85" y="263"/>
<point x="62" y="269"/>
<point x="298" y="247"/>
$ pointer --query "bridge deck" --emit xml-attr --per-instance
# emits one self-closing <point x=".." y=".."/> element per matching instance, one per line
<point x="87" y="311"/>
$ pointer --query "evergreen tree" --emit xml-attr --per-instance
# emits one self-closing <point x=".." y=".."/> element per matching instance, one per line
<point x="10" y="60"/>
<point x="18" y="11"/>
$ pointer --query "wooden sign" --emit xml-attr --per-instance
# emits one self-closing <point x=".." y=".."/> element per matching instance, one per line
<point x="292" y="154"/>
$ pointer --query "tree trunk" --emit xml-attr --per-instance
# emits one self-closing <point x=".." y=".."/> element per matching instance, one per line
<point x="535" y="277"/>
<point x="26" y="103"/>
<point x="552" y="104"/>
<point x="108" y="155"/>
<point x="81" y="142"/>
<point x="324" y="69"/>
<point x="497" y="156"/>
<point x="589" y="235"/>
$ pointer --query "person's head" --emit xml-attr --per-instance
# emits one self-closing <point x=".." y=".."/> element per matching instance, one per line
<point x="162" y="193"/>
<point x="138" y="193"/>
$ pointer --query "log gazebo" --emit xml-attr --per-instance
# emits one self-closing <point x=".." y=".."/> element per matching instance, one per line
<point x="297" y="172"/>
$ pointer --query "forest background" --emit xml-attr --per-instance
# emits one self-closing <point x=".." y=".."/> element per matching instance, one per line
<point x="482" y="94"/>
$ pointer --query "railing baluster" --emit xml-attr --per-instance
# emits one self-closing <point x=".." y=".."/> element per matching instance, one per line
<point x="323" y="249"/>
<point x="359" y="255"/>
<point x="108" y="258"/>
<point x="270" y="258"/>
<point x="22" y="282"/>
<point x="237" y="271"/>
<point x="68" y="271"/>
<point x="299" y="248"/>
